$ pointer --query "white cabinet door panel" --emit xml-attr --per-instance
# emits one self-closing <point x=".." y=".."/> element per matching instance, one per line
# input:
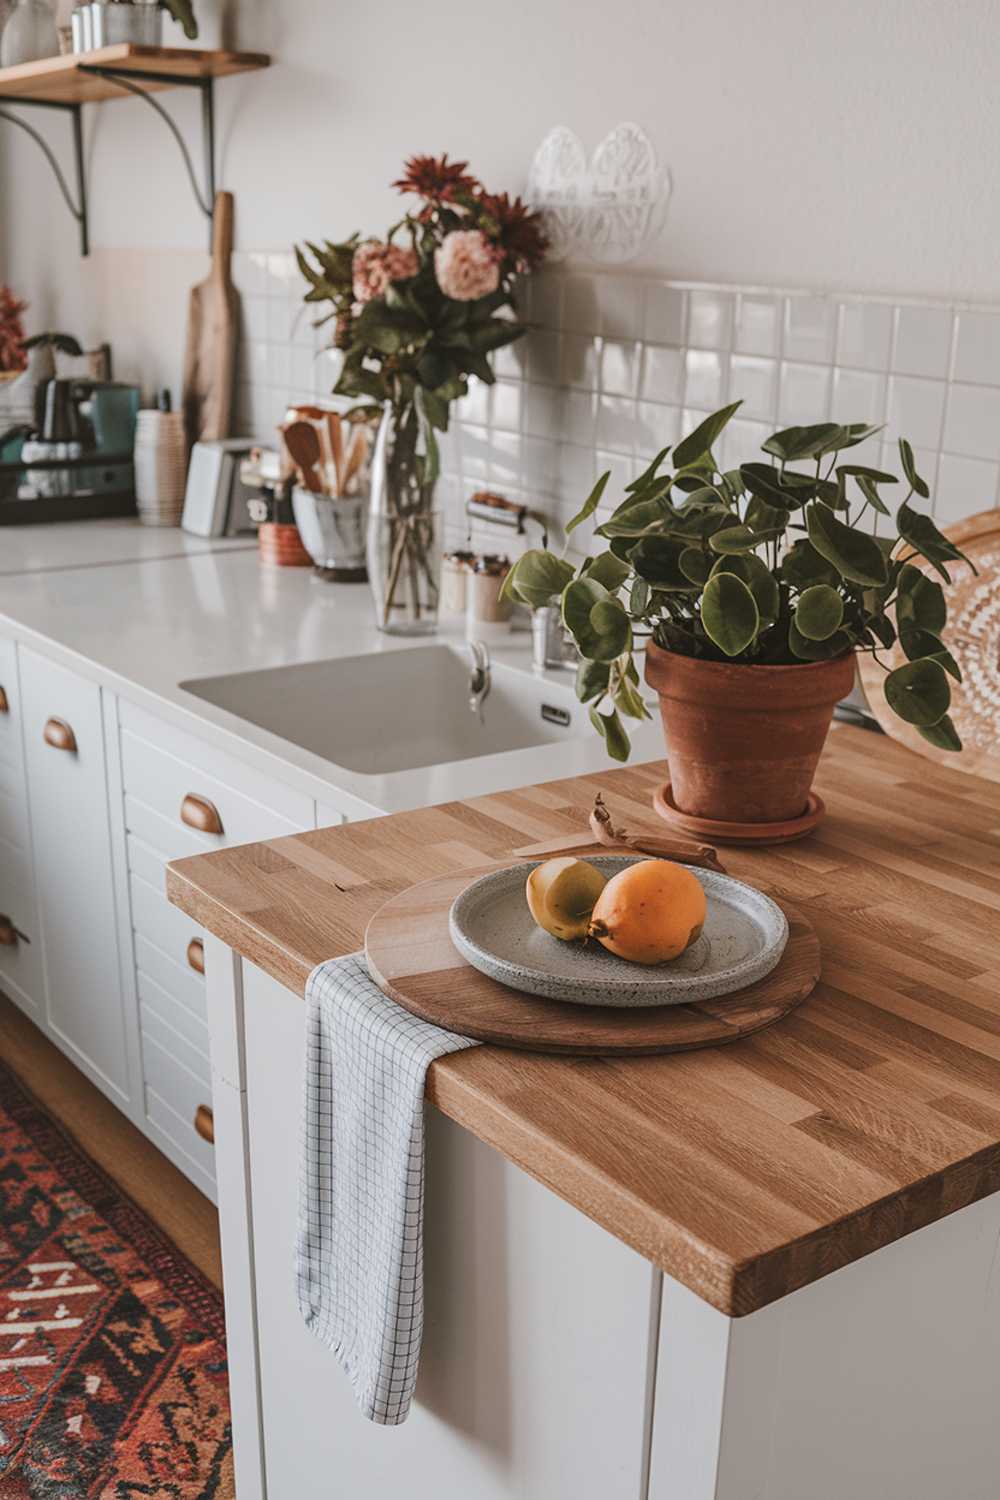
<point x="533" y="1380"/>
<point x="74" y="873"/>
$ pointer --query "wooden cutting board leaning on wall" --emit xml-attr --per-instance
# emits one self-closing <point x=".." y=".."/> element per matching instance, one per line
<point x="210" y="355"/>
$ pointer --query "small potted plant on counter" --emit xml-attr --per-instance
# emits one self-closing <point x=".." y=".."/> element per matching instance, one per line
<point x="753" y="590"/>
<point x="417" y="314"/>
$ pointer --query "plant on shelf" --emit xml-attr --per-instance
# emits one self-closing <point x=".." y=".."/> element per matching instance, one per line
<point x="416" y="315"/>
<point x="182" y="12"/>
<point x="753" y="588"/>
<point x="13" y="354"/>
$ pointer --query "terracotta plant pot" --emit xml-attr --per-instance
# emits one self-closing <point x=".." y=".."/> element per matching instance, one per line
<point x="743" y="741"/>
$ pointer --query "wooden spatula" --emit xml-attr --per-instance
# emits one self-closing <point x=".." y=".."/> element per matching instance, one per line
<point x="210" y="356"/>
<point x="302" y="442"/>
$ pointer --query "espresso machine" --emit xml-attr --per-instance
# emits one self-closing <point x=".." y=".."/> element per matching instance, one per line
<point x="75" y="462"/>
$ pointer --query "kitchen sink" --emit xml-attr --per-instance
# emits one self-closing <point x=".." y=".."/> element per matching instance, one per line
<point x="399" y="710"/>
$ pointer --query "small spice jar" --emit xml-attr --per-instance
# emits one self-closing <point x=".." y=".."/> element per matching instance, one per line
<point x="456" y="568"/>
<point x="484" y="605"/>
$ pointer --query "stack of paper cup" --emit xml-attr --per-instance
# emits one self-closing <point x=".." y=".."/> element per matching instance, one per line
<point x="160" y="467"/>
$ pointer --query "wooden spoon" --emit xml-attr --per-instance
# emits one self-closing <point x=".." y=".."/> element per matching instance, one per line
<point x="302" y="442"/>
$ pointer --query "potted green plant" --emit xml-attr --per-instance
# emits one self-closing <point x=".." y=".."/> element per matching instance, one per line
<point x="752" y="590"/>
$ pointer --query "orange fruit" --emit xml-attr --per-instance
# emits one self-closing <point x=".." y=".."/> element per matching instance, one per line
<point x="649" y="912"/>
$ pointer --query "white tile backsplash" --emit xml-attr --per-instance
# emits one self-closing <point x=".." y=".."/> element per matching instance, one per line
<point x="916" y="409"/>
<point x="864" y="335"/>
<point x="923" y="341"/>
<point x="964" y="486"/>
<point x="704" y="377"/>
<point x="758" y="325"/>
<point x="809" y="329"/>
<point x="756" y="382"/>
<point x="618" y="365"/>
<point x="710" y="319"/>
<point x="977" y="347"/>
<point x="972" y="425"/>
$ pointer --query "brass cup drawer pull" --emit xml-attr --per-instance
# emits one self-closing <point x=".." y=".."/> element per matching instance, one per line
<point x="200" y="814"/>
<point x="59" y="735"/>
<point x="4" y="704"/>
<point x="196" y="955"/>
<point x="10" y="935"/>
<point x="204" y="1123"/>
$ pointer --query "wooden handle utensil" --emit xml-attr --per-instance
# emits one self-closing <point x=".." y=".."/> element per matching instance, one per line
<point x="302" y="442"/>
<point x="603" y="832"/>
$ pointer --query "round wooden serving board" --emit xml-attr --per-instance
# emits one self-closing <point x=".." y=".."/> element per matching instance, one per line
<point x="412" y="958"/>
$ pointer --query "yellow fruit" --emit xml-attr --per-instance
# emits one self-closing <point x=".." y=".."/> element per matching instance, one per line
<point x="649" y="912"/>
<point x="561" y="895"/>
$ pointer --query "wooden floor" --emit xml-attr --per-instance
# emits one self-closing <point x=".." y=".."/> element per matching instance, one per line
<point x="184" y="1213"/>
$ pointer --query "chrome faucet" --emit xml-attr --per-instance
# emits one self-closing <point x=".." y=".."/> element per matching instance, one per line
<point x="479" y="680"/>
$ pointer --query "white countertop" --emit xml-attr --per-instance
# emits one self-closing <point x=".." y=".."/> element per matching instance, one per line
<point x="87" y="544"/>
<point x="141" y="630"/>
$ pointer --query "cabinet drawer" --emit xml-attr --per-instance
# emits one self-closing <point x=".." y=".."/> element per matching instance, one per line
<point x="20" y="962"/>
<point x="161" y="766"/>
<point x="10" y="705"/>
<point x="166" y="926"/>
<point x="160" y="1020"/>
<point x="179" y="1089"/>
<point x="185" y="1138"/>
<point x="179" y="980"/>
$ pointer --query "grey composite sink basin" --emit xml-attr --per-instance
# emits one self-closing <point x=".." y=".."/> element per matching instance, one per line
<point x="398" y="710"/>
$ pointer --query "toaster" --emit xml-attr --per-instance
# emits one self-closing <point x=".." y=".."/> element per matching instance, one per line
<point x="215" y="500"/>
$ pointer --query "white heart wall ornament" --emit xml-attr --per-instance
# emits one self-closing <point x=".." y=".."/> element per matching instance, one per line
<point x="607" y="209"/>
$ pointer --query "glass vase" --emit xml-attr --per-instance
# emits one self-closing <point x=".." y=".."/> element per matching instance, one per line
<point x="405" y="529"/>
<point x="29" y="34"/>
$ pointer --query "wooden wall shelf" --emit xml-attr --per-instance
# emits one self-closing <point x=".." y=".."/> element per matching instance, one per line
<point x="68" y="83"/>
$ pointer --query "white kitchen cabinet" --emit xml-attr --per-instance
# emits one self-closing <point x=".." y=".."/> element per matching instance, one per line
<point x="21" y="973"/>
<point x="71" y="836"/>
<point x="537" y="1362"/>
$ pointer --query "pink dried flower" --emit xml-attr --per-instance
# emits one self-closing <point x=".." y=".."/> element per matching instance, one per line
<point x="376" y="264"/>
<point x="466" y="265"/>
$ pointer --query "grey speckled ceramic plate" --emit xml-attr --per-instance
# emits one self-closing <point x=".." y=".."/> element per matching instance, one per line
<point x="744" y="937"/>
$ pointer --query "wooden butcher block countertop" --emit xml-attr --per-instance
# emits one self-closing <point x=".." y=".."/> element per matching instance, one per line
<point x="748" y="1170"/>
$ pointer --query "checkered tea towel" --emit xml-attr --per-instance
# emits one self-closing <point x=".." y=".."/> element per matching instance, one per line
<point x="359" y="1254"/>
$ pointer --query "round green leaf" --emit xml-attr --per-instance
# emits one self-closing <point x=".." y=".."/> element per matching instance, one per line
<point x="538" y="577"/>
<point x="819" y="612"/>
<point x="856" y="556"/>
<point x="579" y="598"/>
<point x="611" y="633"/>
<point x="735" y="539"/>
<point x="759" y="580"/>
<point x="918" y="692"/>
<point x="943" y="735"/>
<point x="592" y="680"/>
<point x="920" y="599"/>
<point x="807" y="650"/>
<point x="695" y="564"/>
<point x="917" y="643"/>
<point x="729" y="613"/>
<point x="802" y="566"/>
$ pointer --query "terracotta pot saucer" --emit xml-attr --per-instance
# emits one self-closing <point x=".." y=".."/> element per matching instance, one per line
<point x="717" y="832"/>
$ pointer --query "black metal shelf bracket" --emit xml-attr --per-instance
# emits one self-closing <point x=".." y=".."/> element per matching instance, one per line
<point x="126" y="79"/>
<point x="131" y="81"/>
<point x="77" y="205"/>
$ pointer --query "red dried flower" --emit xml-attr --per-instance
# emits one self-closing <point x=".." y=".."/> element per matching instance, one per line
<point x="436" y="178"/>
<point x="12" y="353"/>
<point x="520" y="237"/>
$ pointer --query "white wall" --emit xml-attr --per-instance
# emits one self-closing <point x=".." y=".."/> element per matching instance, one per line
<point x="834" y="144"/>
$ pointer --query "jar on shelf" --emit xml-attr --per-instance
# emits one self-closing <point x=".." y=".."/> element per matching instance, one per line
<point x="30" y="34"/>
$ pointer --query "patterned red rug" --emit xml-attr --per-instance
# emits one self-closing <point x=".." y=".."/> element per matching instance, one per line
<point x="112" y="1346"/>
